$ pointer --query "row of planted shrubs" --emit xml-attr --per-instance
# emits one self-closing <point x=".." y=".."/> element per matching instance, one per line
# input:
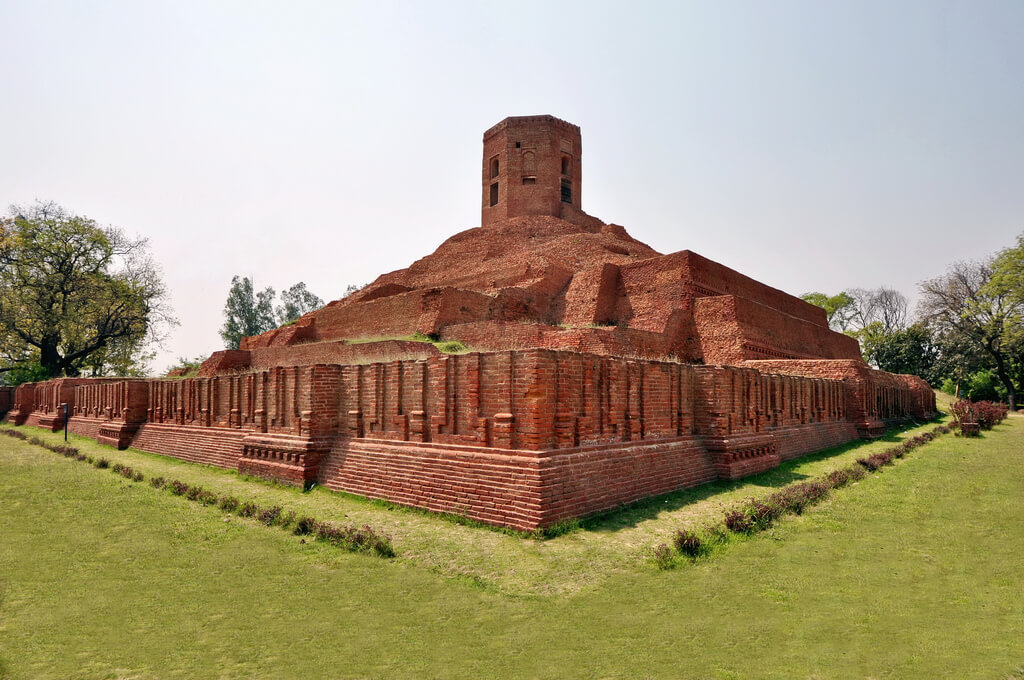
<point x="355" y="539"/>
<point x="758" y="514"/>
<point x="972" y="416"/>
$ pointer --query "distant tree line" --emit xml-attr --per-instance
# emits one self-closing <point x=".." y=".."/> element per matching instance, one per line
<point x="967" y="336"/>
<point x="250" y="312"/>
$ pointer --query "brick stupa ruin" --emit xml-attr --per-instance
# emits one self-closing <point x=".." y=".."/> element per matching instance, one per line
<point x="602" y="371"/>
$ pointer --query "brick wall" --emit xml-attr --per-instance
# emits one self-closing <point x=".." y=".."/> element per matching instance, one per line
<point x="521" y="438"/>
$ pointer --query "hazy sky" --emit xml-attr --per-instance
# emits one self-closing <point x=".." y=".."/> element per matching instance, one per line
<point x="811" y="145"/>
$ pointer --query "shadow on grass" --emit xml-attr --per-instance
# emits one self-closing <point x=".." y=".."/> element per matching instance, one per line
<point x="634" y="513"/>
<point x="615" y="519"/>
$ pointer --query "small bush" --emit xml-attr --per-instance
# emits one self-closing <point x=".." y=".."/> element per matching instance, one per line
<point x="193" y="492"/>
<point x="37" y="441"/>
<point x="138" y="477"/>
<point x="688" y="543"/>
<point x="876" y="460"/>
<point x="663" y="557"/>
<point x="796" y="497"/>
<point x="117" y="467"/>
<point x="206" y="497"/>
<point x="248" y="509"/>
<point x="157" y="482"/>
<point x="102" y="463"/>
<point x="178" y="488"/>
<point x="763" y="512"/>
<point x="270" y="515"/>
<point x="228" y="503"/>
<point x="304" y="525"/>
<point x="736" y="520"/>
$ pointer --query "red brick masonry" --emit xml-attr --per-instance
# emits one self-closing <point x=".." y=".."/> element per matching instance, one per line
<point x="518" y="438"/>
<point x="553" y="420"/>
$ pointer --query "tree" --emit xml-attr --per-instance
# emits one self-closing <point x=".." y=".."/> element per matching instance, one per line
<point x="968" y="302"/>
<point x="73" y="294"/>
<point x="246" y="313"/>
<point x="910" y="350"/>
<point x="890" y="309"/>
<point x="296" y="301"/>
<point x="839" y="309"/>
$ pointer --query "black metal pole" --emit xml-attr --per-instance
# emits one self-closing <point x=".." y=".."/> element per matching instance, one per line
<point x="65" y="421"/>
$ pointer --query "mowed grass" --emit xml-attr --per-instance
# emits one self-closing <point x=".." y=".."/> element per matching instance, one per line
<point x="576" y="561"/>
<point x="914" y="572"/>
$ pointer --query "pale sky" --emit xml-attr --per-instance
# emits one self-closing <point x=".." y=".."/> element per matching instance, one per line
<point x="811" y="145"/>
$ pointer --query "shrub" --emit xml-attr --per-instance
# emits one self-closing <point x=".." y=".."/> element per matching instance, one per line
<point x="157" y="482"/>
<point x="248" y="509"/>
<point x="876" y="460"/>
<point x="363" y="539"/>
<point x="763" y="512"/>
<point x="228" y="503"/>
<point x="138" y="477"/>
<point x="304" y="525"/>
<point x="193" y="492"/>
<point x="178" y="488"/>
<point x="737" y="521"/>
<point x="102" y="463"/>
<point x="206" y="497"/>
<point x="37" y="441"/>
<point x="663" y="557"/>
<point x="117" y="468"/>
<point x="796" y="497"/>
<point x="688" y="543"/>
<point x="288" y="519"/>
<point x="270" y="515"/>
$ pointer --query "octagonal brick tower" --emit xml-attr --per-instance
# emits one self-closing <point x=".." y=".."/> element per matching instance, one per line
<point x="532" y="166"/>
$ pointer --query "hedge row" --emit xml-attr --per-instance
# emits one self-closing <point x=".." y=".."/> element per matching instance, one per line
<point x="758" y="514"/>
<point x="354" y="539"/>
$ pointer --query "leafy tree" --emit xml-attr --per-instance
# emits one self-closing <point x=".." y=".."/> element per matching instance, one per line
<point x="839" y="309"/>
<point x="296" y="301"/>
<point x="246" y="313"/>
<point x="74" y="294"/>
<point x="985" y="312"/>
<point x="911" y="350"/>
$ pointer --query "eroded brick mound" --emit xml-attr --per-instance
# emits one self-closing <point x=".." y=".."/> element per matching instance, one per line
<point x="541" y="281"/>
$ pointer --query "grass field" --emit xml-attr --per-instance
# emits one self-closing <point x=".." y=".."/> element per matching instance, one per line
<point x="913" y="572"/>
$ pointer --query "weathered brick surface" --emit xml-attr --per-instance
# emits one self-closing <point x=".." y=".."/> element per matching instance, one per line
<point x="611" y="372"/>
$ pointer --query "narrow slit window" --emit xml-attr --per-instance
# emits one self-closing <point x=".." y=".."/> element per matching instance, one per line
<point x="566" y="165"/>
<point x="494" y="194"/>
<point x="566" y="191"/>
<point x="494" y="167"/>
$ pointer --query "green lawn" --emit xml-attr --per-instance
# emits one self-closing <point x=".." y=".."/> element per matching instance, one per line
<point x="913" y="572"/>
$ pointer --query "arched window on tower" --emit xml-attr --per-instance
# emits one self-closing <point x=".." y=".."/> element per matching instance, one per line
<point x="494" y="167"/>
<point x="566" y="165"/>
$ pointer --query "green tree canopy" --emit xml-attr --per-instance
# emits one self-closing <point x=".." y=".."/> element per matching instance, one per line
<point x="971" y="302"/>
<point x="246" y="312"/>
<point x="74" y="297"/>
<point x="295" y="302"/>
<point x="839" y="308"/>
